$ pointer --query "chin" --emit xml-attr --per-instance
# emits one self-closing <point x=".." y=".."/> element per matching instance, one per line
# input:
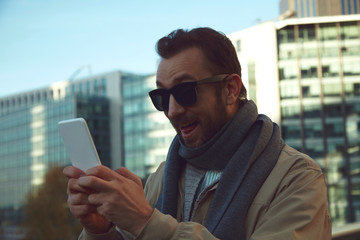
<point x="191" y="144"/>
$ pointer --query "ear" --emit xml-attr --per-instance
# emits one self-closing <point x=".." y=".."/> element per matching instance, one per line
<point x="233" y="87"/>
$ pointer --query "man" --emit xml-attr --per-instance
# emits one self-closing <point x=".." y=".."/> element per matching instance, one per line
<point x="228" y="174"/>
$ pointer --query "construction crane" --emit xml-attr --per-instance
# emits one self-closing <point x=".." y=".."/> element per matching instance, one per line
<point x="73" y="76"/>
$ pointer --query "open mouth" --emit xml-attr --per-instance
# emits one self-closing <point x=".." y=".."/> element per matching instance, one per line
<point x="188" y="130"/>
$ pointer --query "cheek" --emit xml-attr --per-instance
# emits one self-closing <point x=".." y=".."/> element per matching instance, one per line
<point x="221" y="115"/>
<point x="215" y="118"/>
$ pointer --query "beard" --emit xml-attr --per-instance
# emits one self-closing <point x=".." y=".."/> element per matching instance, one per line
<point x="206" y="125"/>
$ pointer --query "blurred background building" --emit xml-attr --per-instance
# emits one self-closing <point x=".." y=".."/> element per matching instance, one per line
<point x="147" y="133"/>
<point x="305" y="74"/>
<point x="124" y="125"/>
<point x="318" y="8"/>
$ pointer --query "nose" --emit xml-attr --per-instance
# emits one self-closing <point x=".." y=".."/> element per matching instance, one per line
<point x="175" y="109"/>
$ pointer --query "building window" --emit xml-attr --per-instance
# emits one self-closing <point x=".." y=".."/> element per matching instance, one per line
<point x="327" y="32"/>
<point x="349" y="30"/>
<point x="286" y="35"/>
<point x="288" y="72"/>
<point x="334" y="129"/>
<point x="80" y="87"/>
<point x="331" y="70"/>
<point x="352" y="108"/>
<point x="314" y="7"/>
<point x="332" y="110"/>
<point x="351" y="68"/>
<point x="238" y="45"/>
<point x="352" y="89"/>
<point x="103" y="86"/>
<point x="357" y="89"/>
<point x="314" y="150"/>
<point x="290" y="112"/>
<point x="332" y="89"/>
<point x="306" y="33"/>
<point x="308" y="70"/>
<point x="308" y="8"/>
<point x="306" y="91"/>
<point x="88" y="88"/>
<point x="312" y="110"/>
<point x="313" y="130"/>
<point x="292" y="131"/>
<point x="302" y="7"/>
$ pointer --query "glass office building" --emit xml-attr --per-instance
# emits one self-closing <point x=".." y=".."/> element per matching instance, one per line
<point x="30" y="143"/>
<point x="318" y="8"/>
<point x="319" y="73"/>
<point x="29" y="138"/>
<point x="126" y="128"/>
<point x="318" y="81"/>
<point x="147" y="132"/>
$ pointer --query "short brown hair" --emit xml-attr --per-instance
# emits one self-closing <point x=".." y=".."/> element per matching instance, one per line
<point x="217" y="48"/>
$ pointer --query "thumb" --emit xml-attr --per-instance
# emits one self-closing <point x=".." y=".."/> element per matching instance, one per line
<point x="129" y="175"/>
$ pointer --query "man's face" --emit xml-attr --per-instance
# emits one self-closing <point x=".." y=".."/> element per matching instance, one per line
<point x="197" y="123"/>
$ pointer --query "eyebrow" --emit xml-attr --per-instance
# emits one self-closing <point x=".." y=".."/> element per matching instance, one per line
<point x="178" y="79"/>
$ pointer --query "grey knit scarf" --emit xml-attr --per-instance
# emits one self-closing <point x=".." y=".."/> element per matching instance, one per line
<point x="246" y="150"/>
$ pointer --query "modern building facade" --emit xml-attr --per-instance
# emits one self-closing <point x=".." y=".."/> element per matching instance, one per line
<point x="317" y="88"/>
<point x="317" y="8"/>
<point x="119" y="115"/>
<point x="147" y="132"/>
<point x="29" y="138"/>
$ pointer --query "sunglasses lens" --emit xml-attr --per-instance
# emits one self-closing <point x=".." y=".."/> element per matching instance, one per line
<point x="160" y="99"/>
<point x="185" y="93"/>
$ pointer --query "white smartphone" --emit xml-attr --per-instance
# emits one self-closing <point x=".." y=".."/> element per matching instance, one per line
<point x="79" y="143"/>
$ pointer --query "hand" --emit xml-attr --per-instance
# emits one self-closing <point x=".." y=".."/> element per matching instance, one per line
<point x="119" y="197"/>
<point x="79" y="205"/>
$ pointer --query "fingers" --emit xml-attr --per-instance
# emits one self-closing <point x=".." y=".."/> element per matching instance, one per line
<point x="107" y="174"/>
<point x="101" y="172"/>
<point x="72" y="172"/>
<point x="94" y="184"/>
<point x="75" y="187"/>
<point x="129" y="175"/>
<point x="100" y="181"/>
<point x="78" y="199"/>
<point x="97" y="179"/>
<point x="79" y="205"/>
<point x="97" y="199"/>
<point x="80" y="211"/>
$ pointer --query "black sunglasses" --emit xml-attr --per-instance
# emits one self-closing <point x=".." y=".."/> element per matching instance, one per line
<point x="184" y="93"/>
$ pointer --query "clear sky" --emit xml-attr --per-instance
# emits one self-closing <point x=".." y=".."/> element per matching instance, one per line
<point x="46" y="41"/>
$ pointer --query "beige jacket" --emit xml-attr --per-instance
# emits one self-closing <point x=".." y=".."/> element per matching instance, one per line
<point x="291" y="204"/>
